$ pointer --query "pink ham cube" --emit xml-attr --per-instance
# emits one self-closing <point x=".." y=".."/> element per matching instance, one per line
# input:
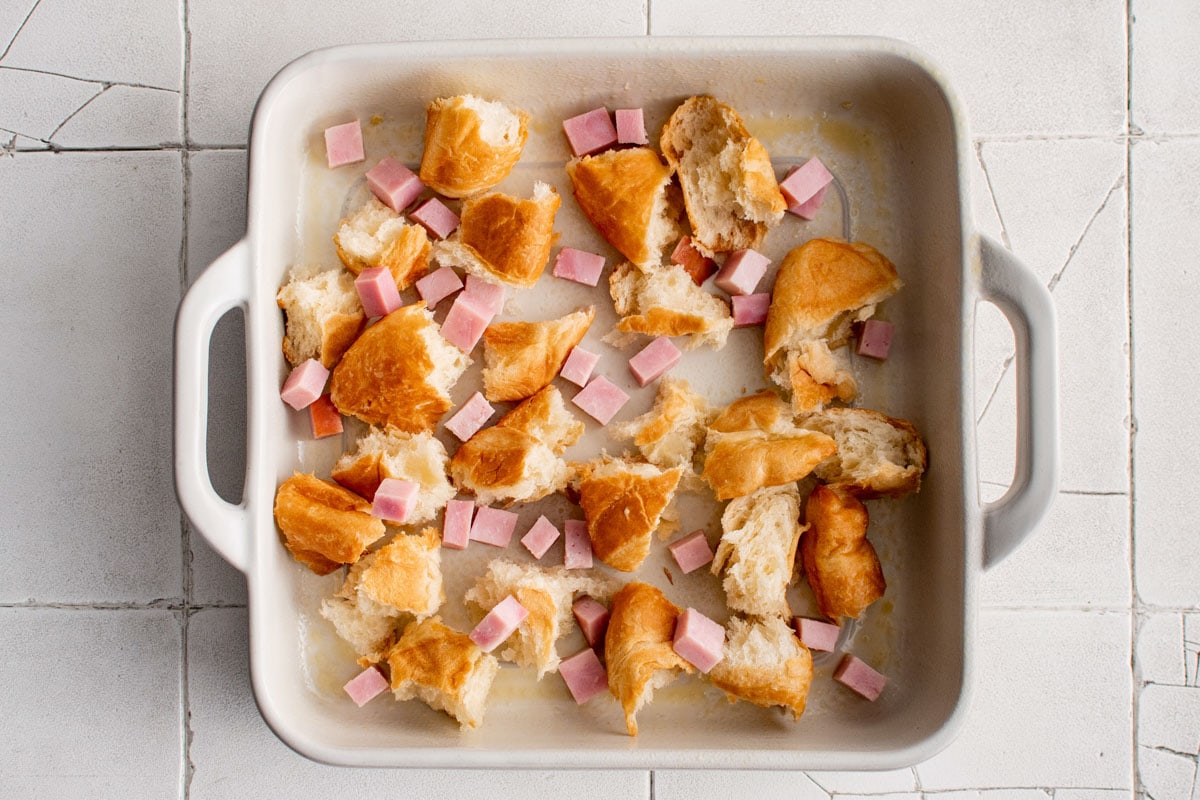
<point x="584" y="675"/>
<point x="592" y="617"/>
<point x="816" y="634"/>
<point x="493" y="526"/>
<point x="699" y="640"/>
<point x="857" y="675"/>
<point x="394" y="184"/>
<point x="466" y="322"/>
<point x="394" y="499"/>
<point x="809" y="208"/>
<point x="601" y="399"/>
<point x="691" y="552"/>
<point x="490" y="295"/>
<point x="590" y="132"/>
<point x="699" y="266"/>
<point x="344" y="145"/>
<point x="434" y="216"/>
<point x="470" y="418"/>
<point x="499" y="624"/>
<point x="579" y="365"/>
<point x="579" y="266"/>
<point x="803" y="182"/>
<point x="377" y="291"/>
<point x="875" y="339"/>
<point x="438" y="285"/>
<point x="631" y="126"/>
<point x="577" y="545"/>
<point x="653" y="360"/>
<point x="456" y="525"/>
<point x="742" y="271"/>
<point x="540" y="537"/>
<point x="304" y="384"/>
<point x="365" y="686"/>
<point x="750" y="309"/>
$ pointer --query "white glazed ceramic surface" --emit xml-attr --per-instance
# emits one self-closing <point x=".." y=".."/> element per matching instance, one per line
<point x="884" y="121"/>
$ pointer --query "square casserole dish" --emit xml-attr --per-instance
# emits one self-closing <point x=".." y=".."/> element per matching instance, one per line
<point x="875" y="110"/>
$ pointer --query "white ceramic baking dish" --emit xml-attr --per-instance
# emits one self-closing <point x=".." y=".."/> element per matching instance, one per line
<point x="883" y="117"/>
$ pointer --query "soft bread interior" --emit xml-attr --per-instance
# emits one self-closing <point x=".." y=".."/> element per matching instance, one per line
<point x="310" y="303"/>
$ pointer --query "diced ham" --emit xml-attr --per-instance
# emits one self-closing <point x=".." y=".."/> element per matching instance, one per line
<point x="579" y="266"/>
<point x="377" y="291"/>
<point x="579" y="365"/>
<point x="438" y="285"/>
<point x="456" y="526"/>
<point x="577" y="545"/>
<point x="857" y="675"/>
<point x="304" y="384"/>
<point x="631" y="126"/>
<point x="742" y="271"/>
<point x="365" y="686"/>
<point x="601" y="399"/>
<point x="699" y="640"/>
<point x="344" y="144"/>
<point x="394" y="499"/>
<point x="816" y="634"/>
<point x="467" y="421"/>
<point x="809" y="208"/>
<point x="803" y="182"/>
<point x="590" y="132"/>
<point x="691" y="552"/>
<point x="584" y="675"/>
<point x="750" y="309"/>
<point x="466" y="321"/>
<point x="694" y="263"/>
<point x="653" y="360"/>
<point x="434" y="216"/>
<point x="875" y="339"/>
<point x="326" y="420"/>
<point x="491" y="295"/>
<point x="394" y="184"/>
<point x="540" y="537"/>
<point x="493" y="526"/>
<point x="499" y="624"/>
<point x="592" y="617"/>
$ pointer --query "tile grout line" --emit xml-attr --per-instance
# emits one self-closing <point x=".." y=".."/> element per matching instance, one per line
<point x="1135" y="611"/>
<point x="21" y="27"/>
<point x="188" y="768"/>
<point x="129" y="84"/>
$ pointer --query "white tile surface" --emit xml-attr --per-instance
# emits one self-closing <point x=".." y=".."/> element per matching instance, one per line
<point x="216" y="221"/>
<point x="1044" y="677"/>
<point x="995" y="794"/>
<point x="1166" y="45"/>
<point x="1090" y="794"/>
<point x="91" y="704"/>
<point x="116" y="41"/>
<point x="1165" y="292"/>
<point x="900" y="780"/>
<point x="1160" y="651"/>
<point x="1064" y="73"/>
<point x="692" y="785"/>
<point x="36" y="105"/>
<point x="234" y="55"/>
<point x="1079" y="556"/>
<point x="1166" y="774"/>
<point x="236" y="756"/>
<point x="1167" y="718"/>
<point x="125" y="116"/>
<point x="92" y="249"/>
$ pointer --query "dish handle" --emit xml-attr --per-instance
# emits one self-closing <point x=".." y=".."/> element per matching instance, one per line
<point x="223" y="286"/>
<point x="1026" y="303"/>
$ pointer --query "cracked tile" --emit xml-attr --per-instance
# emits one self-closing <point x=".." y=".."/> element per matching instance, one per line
<point x="1166" y="46"/>
<point x="125" y="116"/>
<point x="1080" y="43"/>
<point x="1090" y="794"/>
<point x="1079" y="556"/>
<point x="1043" y="676"/>
<point x="90" y="345"/>
<point x="993" y="794"/>
<point x="12" y="16"/>
<point x="838" y="783"/>
<point x="92" y="704"/>
<point x="236" y="755"/>
<point x="35" y="105"/>
<point x="216" y="221"/>
<point x="1160" y="651"/>
<point x="1169" y="718"/>
<point x="887" y="796"/>
<point x="993" y="336"/>
<point x="1165" y="775"/>
<point x="672" y="784"/>
<point x="115" y="41"/>
<point x="235" y="55"/>
<point x="1165" y="296"/>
